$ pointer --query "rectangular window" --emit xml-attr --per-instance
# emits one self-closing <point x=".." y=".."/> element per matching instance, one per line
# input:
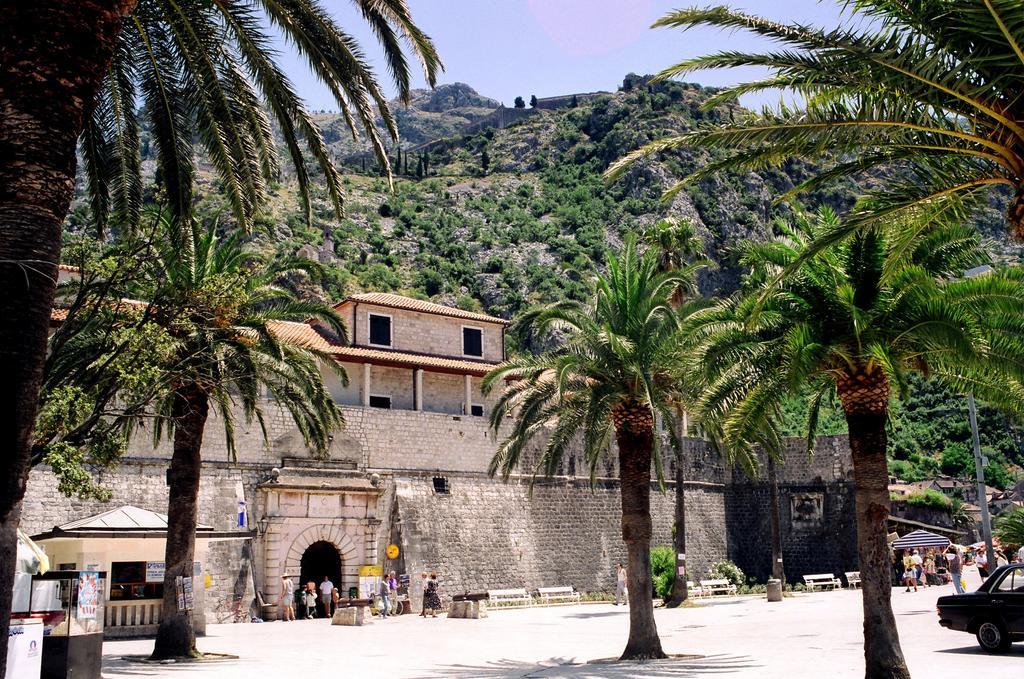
<point x="380" y="402"/>
<point x="477" y="411"/>
<point x="472" y="342"/>
<point x="380" y="330"/>
<point x="128" y="581"/>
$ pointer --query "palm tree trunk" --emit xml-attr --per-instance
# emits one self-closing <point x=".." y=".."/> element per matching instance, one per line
<point x="778" y="572"/>
<point x="176" y="636"/>
<point x="865" y="399"/>
<point x="634" y="434"/>
<point x="53" y="55"/>
<point x="679" y="593"/>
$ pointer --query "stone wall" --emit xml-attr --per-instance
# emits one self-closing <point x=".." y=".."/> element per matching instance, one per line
<point x="424" y="333"/>
<point x="816" y="500"/>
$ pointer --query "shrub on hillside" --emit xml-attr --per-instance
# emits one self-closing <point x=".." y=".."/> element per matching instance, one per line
<point x="932" y="499"/>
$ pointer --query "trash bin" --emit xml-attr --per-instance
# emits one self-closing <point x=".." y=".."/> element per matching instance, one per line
<point x="774" y="590"/>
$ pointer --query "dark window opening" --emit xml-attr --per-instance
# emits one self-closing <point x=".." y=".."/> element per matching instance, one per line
<point x="441" y="485"/>
<point x="380" y="402"/>
<point x="477" y="411"/>
<point x="128" y="581"/>
<point x="380" y="330"/>
<point x="472" y="342"/>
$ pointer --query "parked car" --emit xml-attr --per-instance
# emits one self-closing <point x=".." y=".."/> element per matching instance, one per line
<point x="994" y="613"/>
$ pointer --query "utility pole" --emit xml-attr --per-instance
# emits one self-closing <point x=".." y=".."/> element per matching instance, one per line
<point x="979" y="472"/>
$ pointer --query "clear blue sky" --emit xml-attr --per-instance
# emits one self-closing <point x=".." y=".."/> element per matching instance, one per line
<point x="505" y="48"/>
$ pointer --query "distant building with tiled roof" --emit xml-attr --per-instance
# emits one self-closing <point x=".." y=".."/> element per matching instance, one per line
<point x="386" y="299"/>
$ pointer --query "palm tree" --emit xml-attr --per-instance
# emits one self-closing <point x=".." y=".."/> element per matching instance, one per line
<point x="925" y="92"/>
<point x="678" y="248"/>
<point x="616" y="371"/>
<point x="1010" y="527"/>
<point x="221" y="309"/>
<point x="853" y="323"/>
<point x="81" y="75"/>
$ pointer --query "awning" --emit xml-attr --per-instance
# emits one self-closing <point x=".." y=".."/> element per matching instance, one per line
<point x="128" y="521"/>
<point x="31" y="558"/>
<point x="920" y="538"/>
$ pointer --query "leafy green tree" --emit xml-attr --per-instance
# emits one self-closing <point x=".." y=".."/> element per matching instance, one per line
<point x="616" y="371"/>
<point x="957" y="460"/>
<point x="80" y="76"/>
<point x="533" y="101"/>
<point x="930" y="87"/>
<point x="485" y="161"/>
<point x="519" y="103"/>
<point x="852" y="323"/>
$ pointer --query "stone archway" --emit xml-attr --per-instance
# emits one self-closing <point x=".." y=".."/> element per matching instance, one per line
<point x="332" y="534"/>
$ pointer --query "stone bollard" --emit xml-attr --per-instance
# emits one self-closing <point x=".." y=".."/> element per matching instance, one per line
<point x="460" y="609"/>
<point x="480" y="609"/>
<point x="774" y="590"/>
<point x="351" y="616"/>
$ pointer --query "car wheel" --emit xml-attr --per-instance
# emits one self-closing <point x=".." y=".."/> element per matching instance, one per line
<point x="992" y="637"/>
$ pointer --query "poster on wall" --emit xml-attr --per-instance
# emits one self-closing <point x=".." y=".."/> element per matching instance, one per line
<point x="186" y="586"/>
<point x="179" y="591"/>
<point x="88" y="594"/>
<point x="369" y="581"/>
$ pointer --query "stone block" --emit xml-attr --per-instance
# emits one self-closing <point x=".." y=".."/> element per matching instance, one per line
<point x="351" y="616"/>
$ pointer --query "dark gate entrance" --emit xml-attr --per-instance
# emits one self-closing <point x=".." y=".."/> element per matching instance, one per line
<point x="320" y="558"/>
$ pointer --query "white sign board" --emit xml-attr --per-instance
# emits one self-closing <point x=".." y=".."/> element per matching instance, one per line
<point x="154" y="571"/>
<point x="25" y="649"/>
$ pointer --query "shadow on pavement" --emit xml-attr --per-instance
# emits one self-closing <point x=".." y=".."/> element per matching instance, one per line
<point x="1015" y="650"/>
<point x="558" y="668"/>
<point x="117" y="666"/>
<point x="607" y="614"/>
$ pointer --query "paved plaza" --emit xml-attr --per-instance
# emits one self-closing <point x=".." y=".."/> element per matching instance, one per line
<point x="807" y="635"/>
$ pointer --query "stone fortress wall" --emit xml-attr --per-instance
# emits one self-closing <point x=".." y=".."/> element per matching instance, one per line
<point x="484" y="533"/>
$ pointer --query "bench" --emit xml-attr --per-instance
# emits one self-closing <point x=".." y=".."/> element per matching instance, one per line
<point x="822" y="580"/>
<point x="695" y="591"/>
<point x="712" y="587"/>
<point x="510" y="597"/>
<point x="554" y="595"/>
<point x="852" y="579"/>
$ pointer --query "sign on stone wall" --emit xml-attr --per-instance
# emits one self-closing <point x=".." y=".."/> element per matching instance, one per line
<point x="807" y="510"/>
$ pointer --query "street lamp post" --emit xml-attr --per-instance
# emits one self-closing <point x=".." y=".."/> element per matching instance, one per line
<point x="979" y="472"/>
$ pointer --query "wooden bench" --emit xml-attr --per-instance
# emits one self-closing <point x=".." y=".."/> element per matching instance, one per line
<point x="713" y="587"/>
<point x="694" y="590"/>
<point x="852" y="579"/>
<point x="508" y="598"/>
<point x="822" y="580"/>
<point x="556" y="595"/>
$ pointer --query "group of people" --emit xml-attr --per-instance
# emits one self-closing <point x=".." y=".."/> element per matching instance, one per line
<point x="313" y="604"/>
<point x="934" y="566"/>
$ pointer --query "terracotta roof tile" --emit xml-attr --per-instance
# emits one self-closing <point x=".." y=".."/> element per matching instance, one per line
<point x="409" y="304"/>
<point x="302" y="334"/>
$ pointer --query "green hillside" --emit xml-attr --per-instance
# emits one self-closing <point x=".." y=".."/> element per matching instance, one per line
<point x="503" y="219"/>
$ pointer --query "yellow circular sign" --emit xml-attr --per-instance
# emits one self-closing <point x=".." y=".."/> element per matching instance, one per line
<point x="392" y="551"/>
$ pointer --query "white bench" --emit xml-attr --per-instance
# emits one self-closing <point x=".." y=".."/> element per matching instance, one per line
<point x="695" y="591"/>
<point x="822" y="580"/>
<point x="712" y="587"/>
<point x="510" y="597"/>
<point x="852" y="579"/>
<point x="555" y="595"/>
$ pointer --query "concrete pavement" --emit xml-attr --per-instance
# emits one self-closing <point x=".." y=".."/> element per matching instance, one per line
<point x="807" y="635"/>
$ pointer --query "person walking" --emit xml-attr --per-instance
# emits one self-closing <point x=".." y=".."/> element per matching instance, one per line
<point x="1020" y="554"/>
<point x="423" y="607"/>
<point x="955" y="565"/>
<point x="431" y="596"/>
<point x="981" y="561"/>
<point x="909" y="571"/>
<point x="918" y="567"/>
<point x="309" y="600"/>
<point x="620" y="584"/>
<point x="287" y="601"/>
<point x="326" y="591"/>
<point x="385" y="598"/>
<point x="393" y="587"/>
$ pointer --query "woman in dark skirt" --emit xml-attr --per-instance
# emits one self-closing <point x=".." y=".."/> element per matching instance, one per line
<point x="431" y="599"/>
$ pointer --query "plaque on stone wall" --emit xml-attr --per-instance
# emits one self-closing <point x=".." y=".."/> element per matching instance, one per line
<point x="807" y="510"/>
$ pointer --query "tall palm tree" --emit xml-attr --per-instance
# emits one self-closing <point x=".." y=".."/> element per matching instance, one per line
<point x="1010" y="527"/>
<point x="79" y="75"/>
<point x="925" y="92"/>
<point x="853" y="323"/>
<point x="678" y="248"/>
<point x="616" y="371"/>
<point x="220" y="308"/>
